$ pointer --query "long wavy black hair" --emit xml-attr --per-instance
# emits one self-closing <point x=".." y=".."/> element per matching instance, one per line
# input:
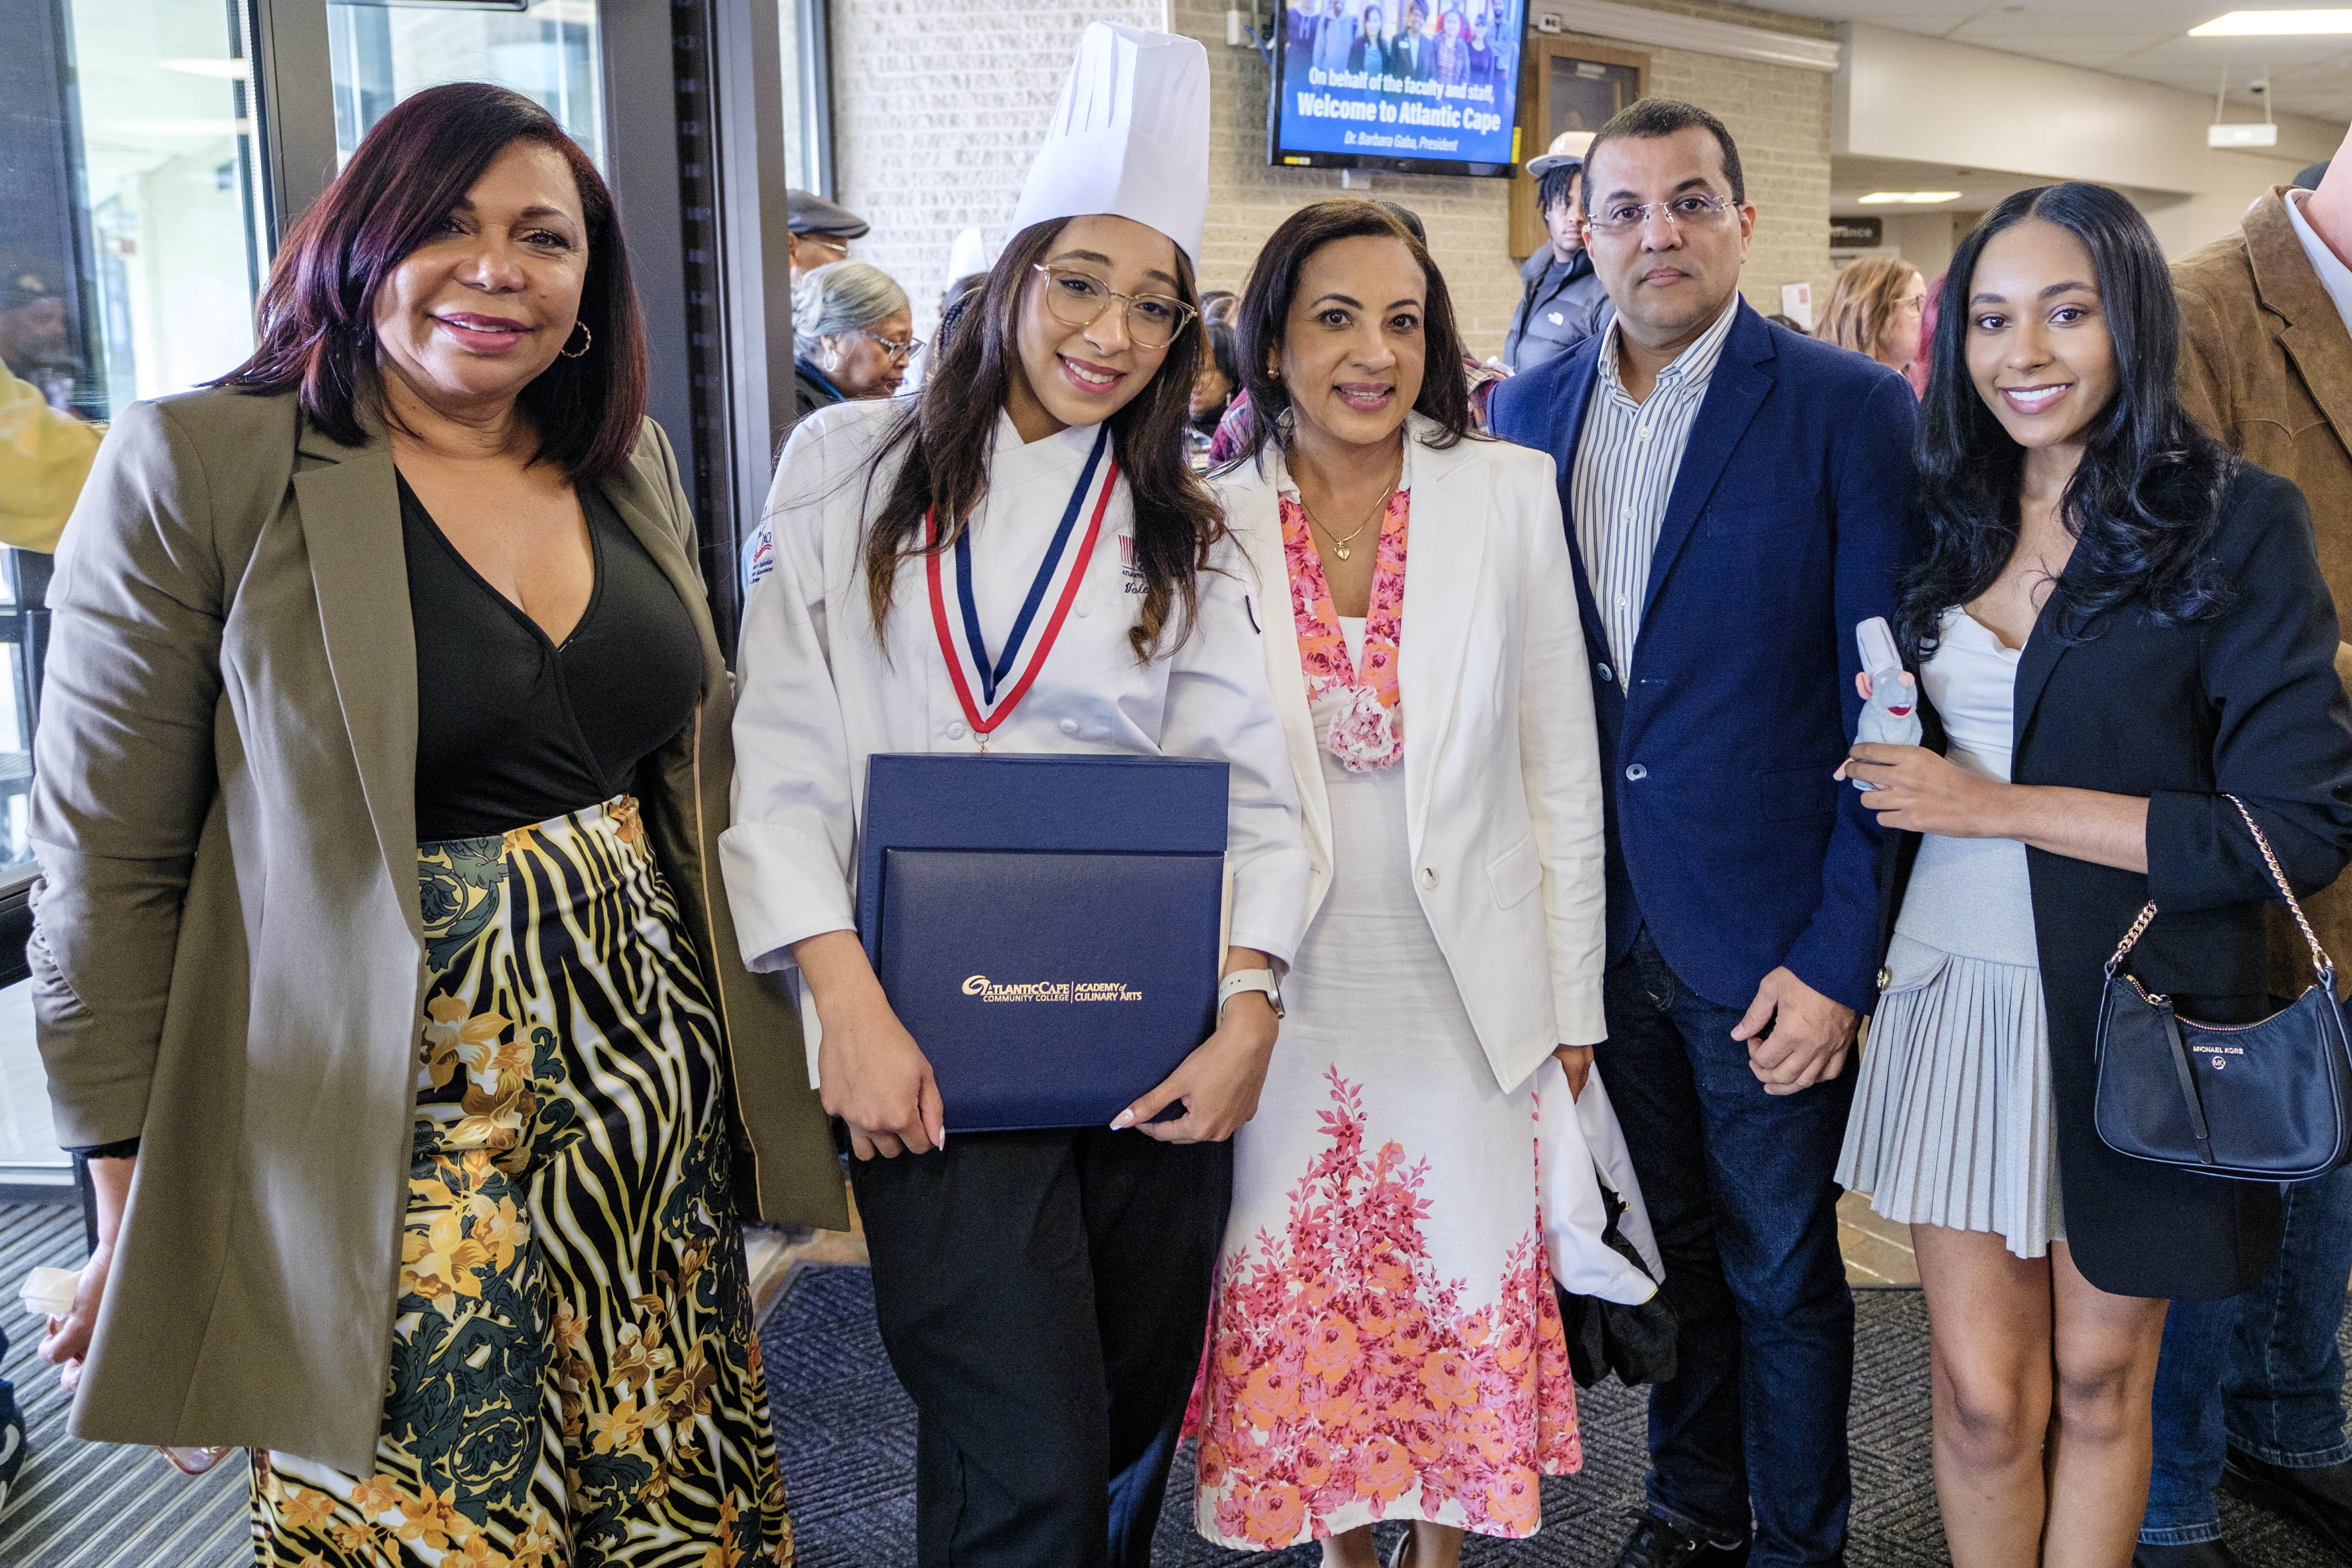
<point x="2146" y="497"/>
<point x="949" y="434"/>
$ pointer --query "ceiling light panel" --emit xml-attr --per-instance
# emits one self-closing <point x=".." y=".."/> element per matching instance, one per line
<point x="1908" y="198"/>
<point x="2274" y="24"/>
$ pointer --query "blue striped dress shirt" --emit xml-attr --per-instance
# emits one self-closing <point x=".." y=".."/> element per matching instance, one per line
<point x="1625" y="467"/>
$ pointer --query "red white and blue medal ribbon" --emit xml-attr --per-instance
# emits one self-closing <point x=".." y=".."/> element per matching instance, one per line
<point x="968" y="661"/>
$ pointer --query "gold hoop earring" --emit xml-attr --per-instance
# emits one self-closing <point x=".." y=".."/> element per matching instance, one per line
<point x="587" y="340"/>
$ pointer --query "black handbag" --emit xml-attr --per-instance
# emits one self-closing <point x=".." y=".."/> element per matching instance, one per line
<point x="2267" y="1101"/>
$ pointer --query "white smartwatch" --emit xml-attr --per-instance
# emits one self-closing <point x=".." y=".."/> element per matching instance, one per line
<point x="1242" y="980"/>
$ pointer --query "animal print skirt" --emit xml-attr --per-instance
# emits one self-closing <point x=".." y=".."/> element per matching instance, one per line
<point x="574" y="1382"/>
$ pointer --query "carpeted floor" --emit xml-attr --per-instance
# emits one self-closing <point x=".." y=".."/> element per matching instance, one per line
<point x="95" y="1505"/>
<point x="846" y="1434"/>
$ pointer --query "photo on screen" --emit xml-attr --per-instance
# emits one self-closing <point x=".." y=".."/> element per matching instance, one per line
<point x="1420" y="86"/>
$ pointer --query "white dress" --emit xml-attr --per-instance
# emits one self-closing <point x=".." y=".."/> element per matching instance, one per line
<point x="1386" y="1343"/>
<point x="1952" y="1123"/>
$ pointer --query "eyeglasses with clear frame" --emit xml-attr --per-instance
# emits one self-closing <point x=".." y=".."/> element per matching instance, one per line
<point x="1078" y="297"/>
<point x="1694" y="210"/>
<point x="899" y="353"/>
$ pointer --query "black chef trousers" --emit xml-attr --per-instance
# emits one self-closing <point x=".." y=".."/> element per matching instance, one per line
<point x="1044" y="1297"/>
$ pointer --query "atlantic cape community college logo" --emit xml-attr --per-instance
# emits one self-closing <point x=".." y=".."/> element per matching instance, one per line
<point x="987" y="990"/>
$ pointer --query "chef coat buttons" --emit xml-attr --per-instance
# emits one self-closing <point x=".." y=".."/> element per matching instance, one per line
<point x="1637" y="772"/>
<point x="1429" y="876"/>
<point x="1083" y="608"/>
<point x="1069" y="726"/>
<point x="956" y="731"/>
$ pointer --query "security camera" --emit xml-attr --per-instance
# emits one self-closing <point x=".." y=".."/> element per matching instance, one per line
<point x="2260" y="84"/>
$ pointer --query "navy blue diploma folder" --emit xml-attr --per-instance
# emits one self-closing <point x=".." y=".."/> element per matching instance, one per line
<point x="1046" y="926"/>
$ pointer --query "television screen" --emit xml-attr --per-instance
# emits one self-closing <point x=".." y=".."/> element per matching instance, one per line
<point x="1427" y="87"/>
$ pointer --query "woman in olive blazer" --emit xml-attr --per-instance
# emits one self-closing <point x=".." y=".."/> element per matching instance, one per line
<point x="230" y="953"/>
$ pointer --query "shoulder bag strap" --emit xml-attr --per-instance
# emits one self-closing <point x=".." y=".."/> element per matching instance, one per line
<point x="2320" y="963"/>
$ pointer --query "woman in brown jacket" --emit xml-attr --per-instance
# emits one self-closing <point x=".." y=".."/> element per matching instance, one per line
<point x="379" y="964"/>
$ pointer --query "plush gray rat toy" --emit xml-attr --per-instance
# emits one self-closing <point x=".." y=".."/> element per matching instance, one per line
<point x="1891" y="716"/>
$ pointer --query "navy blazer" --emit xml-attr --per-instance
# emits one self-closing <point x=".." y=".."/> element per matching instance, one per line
<point x="1790" y="521"/>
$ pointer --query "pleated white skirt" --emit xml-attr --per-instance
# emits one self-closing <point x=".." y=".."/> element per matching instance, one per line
<point x="1952" y="1123"/>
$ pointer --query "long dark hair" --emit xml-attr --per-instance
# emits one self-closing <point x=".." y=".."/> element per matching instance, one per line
<point x="1219" y="337"/>
<point x="952" y="430"/>
<point x="1265" y="315"/>
<point x="317" y="316"/>
<point x="2144" y="500"/>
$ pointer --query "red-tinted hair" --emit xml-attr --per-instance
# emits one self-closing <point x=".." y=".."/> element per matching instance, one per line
<point x="316" y="322"/>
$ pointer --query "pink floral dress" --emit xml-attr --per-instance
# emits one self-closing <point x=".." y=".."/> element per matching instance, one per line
<point x="1385" y="1342"/>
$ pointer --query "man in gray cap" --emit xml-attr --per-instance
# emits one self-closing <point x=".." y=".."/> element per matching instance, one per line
<point x="1562" y="302"/>
<point x="821" y="231"/>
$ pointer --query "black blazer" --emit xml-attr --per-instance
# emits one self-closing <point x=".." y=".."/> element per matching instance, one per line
<point x="2246" y="703"/>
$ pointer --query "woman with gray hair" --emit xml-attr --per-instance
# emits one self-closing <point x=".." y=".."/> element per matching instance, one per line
<point x="853" y="333"/>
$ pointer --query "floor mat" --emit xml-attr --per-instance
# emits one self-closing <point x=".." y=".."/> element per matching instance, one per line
<point x="97" y="1505"/>
<point x="846" y="1432"/>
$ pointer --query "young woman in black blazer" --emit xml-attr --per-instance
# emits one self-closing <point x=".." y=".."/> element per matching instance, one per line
<point x="2173" y="642"/>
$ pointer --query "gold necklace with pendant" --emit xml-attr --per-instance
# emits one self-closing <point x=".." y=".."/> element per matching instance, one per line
<point x="1339" y="545"/>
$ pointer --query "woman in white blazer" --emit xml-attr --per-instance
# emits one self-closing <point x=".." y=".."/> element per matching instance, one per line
<point x="1386" y="1342"/>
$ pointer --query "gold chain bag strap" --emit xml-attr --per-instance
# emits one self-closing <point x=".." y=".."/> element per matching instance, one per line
<point x="2266" y="1101"/>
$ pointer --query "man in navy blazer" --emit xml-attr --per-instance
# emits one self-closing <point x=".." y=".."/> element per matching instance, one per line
<point x="1738" y="498"/>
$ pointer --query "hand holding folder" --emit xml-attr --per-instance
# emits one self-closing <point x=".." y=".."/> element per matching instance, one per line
<point x="871" y="1072"/>
<point x="1045" y="928"/>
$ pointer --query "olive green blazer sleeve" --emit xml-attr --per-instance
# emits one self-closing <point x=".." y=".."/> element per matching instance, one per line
<point x="123" y="773"/>
<point x="785" y="1166"/>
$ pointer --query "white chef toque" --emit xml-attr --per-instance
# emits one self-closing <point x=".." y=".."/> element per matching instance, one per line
<point x="1130" y="137"/>
<point x="969" y="254"/>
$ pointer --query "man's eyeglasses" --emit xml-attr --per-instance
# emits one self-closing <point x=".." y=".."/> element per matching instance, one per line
<point x="899" y="353"/>
<point x="1078" y="298"/>
<point x="1693" y="210"/>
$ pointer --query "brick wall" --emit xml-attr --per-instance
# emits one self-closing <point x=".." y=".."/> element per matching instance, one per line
<point x="1780" y="116"/>
<point x="938" y="109"/>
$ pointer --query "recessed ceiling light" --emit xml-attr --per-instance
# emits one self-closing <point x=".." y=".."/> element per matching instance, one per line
<point x="2274" y="24"/>
<point x="1909" y="198"/>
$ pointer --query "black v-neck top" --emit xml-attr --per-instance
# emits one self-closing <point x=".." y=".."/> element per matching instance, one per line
<point x="512" y="730"/>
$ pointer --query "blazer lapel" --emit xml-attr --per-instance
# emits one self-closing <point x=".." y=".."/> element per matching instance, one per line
<point x="2311" y="331"/>
<point x="1444" y="549"/>
<point x="1734" y="393"/>
<point x="1579" y="402"/>
<point x="2044" y="649"/>
<point x="642" y="504"/>
<point x="1249" y="498"/>
<point x="348" y="502"/>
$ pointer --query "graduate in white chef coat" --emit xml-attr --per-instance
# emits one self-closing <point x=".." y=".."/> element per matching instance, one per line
<point x="1042" y="1295"/>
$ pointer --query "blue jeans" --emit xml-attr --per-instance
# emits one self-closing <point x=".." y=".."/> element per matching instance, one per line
<point x="2260" y="1371"/>
<point x="1739" y="1190"/>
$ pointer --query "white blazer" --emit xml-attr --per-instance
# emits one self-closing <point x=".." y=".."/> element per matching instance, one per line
<point x="1502" y="761"/>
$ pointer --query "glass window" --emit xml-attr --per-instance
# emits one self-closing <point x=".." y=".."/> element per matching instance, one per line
<point x="544" y="49"/>
<point x="131" y="251"/>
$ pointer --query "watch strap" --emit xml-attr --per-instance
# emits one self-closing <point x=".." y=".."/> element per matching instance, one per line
<point x="1242" y="980"/>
